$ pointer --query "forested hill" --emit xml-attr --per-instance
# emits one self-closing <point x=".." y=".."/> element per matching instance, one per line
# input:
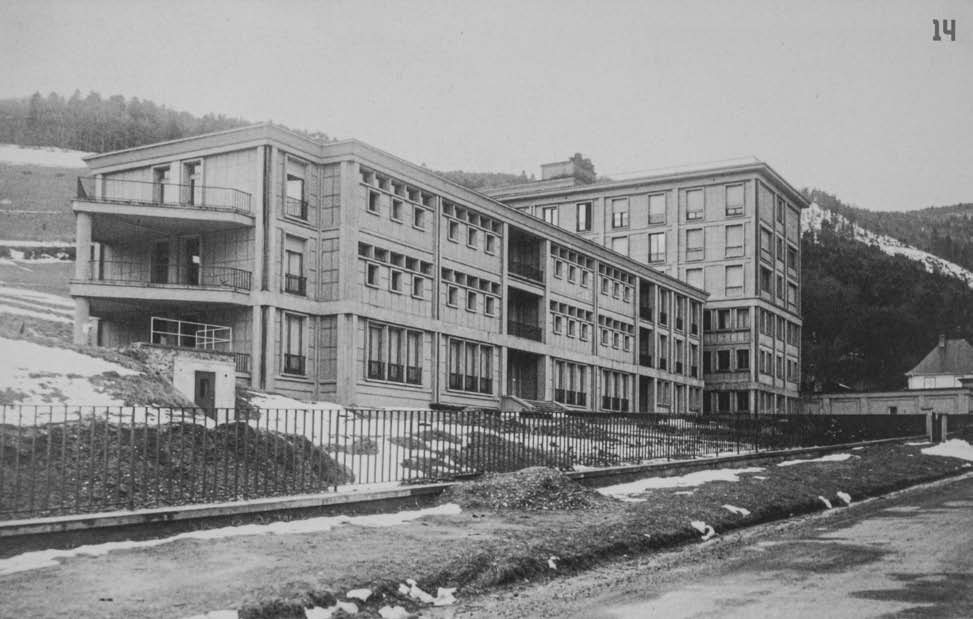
<point x="869" y="317"/>
<point x="93" y="124"/>
<point x="946" y="231"/>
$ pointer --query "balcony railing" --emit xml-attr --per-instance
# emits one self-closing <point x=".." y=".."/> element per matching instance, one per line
<point x="526" y="270"/>
<point x="295" y="207"/>
<point x="455" y="381"/>
<point x="571" y="398"/>
<point x="295" y="284"/>
<point x="395" y="372"/>
<point x="242" y="361"/>
<point x="646" y="312"/>
<point x="144" y="273"/>
<point x="486" y="385"/>
<point x="147" y="193"/>
<point x="413" y="376"/>
<point x="524" y="330"/>
<point x="294" y="364"/>
<point x="471" y="383"/>
<point x="376" y="370"/>
<point x="188" y="334"/>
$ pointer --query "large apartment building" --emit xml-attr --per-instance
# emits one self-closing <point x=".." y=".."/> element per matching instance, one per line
<point x="336" y="271"/>
<point x="731" y="229"/>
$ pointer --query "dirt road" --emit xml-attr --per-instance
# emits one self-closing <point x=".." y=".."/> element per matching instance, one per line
<point x="910" y="555"/>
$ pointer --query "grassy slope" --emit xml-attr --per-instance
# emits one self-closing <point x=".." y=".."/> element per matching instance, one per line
<point x="37" y="188"/>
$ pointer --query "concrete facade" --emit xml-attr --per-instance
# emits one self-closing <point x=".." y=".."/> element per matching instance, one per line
<point x="339" y="272"/>
<point x="733" y="230"/>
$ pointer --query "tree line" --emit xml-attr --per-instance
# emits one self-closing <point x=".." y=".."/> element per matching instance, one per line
<point x="95" y="124"/>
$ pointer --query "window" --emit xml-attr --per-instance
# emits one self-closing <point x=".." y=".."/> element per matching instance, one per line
<point x="694" y="204"/>
<point x="371" y="274"/>
<point x="584" y="217"/>
<point x="373" y="197"/>
<point x="616" y="338"/>
<point x="604" y="337"/>
<point x="707" y="361"/>
<point x="418" y="286"/>
<point x="780" y="367"/>
<point x="558" y="269"/>
<point x="558" y="324"/>
<point x="572" y="273"/>
<point x="743" y="401"/>
<point x="734" y="280"/>
<point x="294" y="202"/>
<point x="766" y="243"/>
<point x="572" y="328"/>
<point x="471" y="237"/>
<point x="657" y="209"/>
<point x="627" y="343"/>
<point x="734" y="200"/>
<point x="584" y="278"/>
<point x="452" y="296"/>
<point x="490" y="306"/>
<point x="619" y="212"/>
<point x="161" y="187"/>
<point x="694" y="244"/>
<point x="491" y="244"/>
<point x="585" y="331"/>
<point x="294" y="345"/>
<point x="743" y="359"/>
<point x="395" y="280"/>
<point x="792" y="259"/>
<point x="604" y="285"/>
<point x="395" y="213"/>
<point x="657" y="247"/>
<point x="294" y="280"/>
<point x="452" y="230"/>
<point x="766" y="281"/>
<point x="734" y="241"/>
<point x="780" y="287"/>
<point x="723" y="319"/>
<point x="694" y="277"/>
<point x="620" y="244"/>
<point x="780" y="249"/>
<point x="470" y="367"/>
<point x="549" y="214"/>
<point x="780" y="209"/>
<point x="418" y="217"/>
<point x="743" y="318"/>
<point x="723" y="361"/>
<point x="791" y="295"/>
<point x="471" y="301"/>
<point x="394" y="354"/>
<point x="570" y="384"/>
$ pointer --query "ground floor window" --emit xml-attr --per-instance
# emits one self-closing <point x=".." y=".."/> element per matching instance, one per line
<point x="570" y="383"/>
<point x="615" y="387"/>
<point x="470" y="366"/>
<point x="293" y="339"/>
<point x="393" y="354"/>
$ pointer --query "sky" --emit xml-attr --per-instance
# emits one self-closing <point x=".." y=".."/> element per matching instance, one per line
<point x="853" y="97"/>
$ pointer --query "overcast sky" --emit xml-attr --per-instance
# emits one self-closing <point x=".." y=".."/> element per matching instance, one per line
<point x="852" y="97"/>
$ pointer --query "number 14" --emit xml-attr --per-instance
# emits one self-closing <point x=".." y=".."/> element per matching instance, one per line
<point x="948" y="29"/>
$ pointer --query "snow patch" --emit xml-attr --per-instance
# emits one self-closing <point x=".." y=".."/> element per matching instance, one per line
<point x="48" y="156"/>
<point x="706" y="530"/>
<point x="697" y="478"/>
<point x="393" y="612"/>
<point x="844" y="496"/>
<point x="19" y="311"/>
<point x="326" y="613"/>
<point x="359" y="594"/>
<point x="217" y="614"/>
<point x="49" y="558"/>
<point x="733" y="509"/>
<point x="828" y="458"/>
<point x="953" y="448"/>
<point x="826" y="502"/>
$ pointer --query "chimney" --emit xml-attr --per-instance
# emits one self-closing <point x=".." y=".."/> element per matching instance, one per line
<point x="577" y="168"/>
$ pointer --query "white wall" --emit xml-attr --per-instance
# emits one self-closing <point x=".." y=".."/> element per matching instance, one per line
<point x="184" y="378"/>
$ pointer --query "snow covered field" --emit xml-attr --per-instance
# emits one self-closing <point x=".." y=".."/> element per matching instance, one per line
<point x="42" y="155"/>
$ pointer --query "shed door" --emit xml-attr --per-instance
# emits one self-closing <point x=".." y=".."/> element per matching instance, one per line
<point x="205" y="393"/>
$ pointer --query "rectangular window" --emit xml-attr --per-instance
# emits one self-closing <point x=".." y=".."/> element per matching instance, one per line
<point x="734" y="200"/>
<point x="605" y="285"/>
<point x="413" y="360"/>
<point x="734" y="280"/>
<point x="294" y="280"/>
<point x="657" y="247"/>
<point x="734" y="241"/>
<point x="584" y="278"/>
<point x="743" y="318"/>
<point x="294" y="203"/>
<point x="395" y="281"/>
<point x="743" y="359"/>
<point x="694" y="204"/>
<point x="780" y="287"/>
<point x="490" y="306"/>
<point x="694" y="244"/>
<point x="780" y="210"/>
<point x="766" y="244"/>
<point x="620" y="244"/>
<point x="471" y="237"/>
<point x="491" y="244"/>
<point x="471" y="301"/>
<point x="766" y="281"/>
<point x="780" y="249"/>
<point x="470" y="367"/>
<point x="792" y="259"/>
<point x="792" y="295"/>
<point x="657" y="208"/>
<point x="549" y="214"/>
<point x="584" y="217"/>
<point x="572" y="273"/>
<point x="452" y="296"/>
<point x="619" y="212"/>
<point x="373" y="197"/>
<point x="723" y="317"/>
<point x="418" y="217"/>
<point x="394" y="354"/>
<point x="395" y="213"/>
<point x="585" y="331"/>
<point x="558" y="269"/>
<point x="418" y="286"/>
<point x="558" y="324"/>
<point x="294" y="345"/>
<point x="723" y="361"/>
<point x="572" y="328"/>
<point x="371" y="274"/>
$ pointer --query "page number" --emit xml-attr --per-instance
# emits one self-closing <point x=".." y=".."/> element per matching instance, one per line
<point x="943" y="28"/>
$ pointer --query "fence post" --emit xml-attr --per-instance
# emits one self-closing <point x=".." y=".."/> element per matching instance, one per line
<point x="943" y="420"/>
<point x="929" y="426"/>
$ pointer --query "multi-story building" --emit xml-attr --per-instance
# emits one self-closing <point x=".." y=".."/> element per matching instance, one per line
<point x="733" y="230"/>
<point x="336" y="271"/>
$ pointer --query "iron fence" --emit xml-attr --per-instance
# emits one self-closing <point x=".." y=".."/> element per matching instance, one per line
<point x="69" y="459"/>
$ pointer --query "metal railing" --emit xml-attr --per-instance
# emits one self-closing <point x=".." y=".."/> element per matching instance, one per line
<point x="148" y="193"/>
<point x="71" y="459"/>
<point x="188" y="334"/>
<point x="295" y="284"/>
<point x="524" y="330"/>
<point x="294" y="364"/>
<point x="143" y="273"/>
<point x="242" y="361"/>
<point x="295" y="207"/>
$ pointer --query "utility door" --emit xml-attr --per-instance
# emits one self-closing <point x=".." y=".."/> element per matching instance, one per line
<point x="205" y="392"/>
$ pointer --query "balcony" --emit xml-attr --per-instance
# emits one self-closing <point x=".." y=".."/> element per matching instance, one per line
<point x="157" y="194"/>
<point x="646" y="312"/>
<point x="295" y="284"/>
<point x="526" y="270"/>
<point x="188" y="334"/>
<point x="242" y="361"/>
<point x="147" y="275"/>
<point x="525" y="330"/>
<point x="294" y="364"/>
<point x="296" y="208"/>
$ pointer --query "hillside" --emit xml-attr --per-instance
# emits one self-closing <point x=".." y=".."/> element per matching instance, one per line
<point x="873" y="306"/>
<point x="36" y="188"/>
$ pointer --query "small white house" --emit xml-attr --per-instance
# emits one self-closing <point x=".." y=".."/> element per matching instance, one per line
<point x="944" y="367"/>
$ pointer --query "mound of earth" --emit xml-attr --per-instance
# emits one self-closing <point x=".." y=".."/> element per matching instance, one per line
<point x="532" y="489"/>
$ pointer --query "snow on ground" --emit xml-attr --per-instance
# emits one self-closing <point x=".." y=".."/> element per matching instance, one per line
<point x="42" y="156"/>
<point x="740" y="511"/>
<point x="34" y="296"/>
<point x="41" y="305"/>
<point x="953" y="448"/>
<point x="42" y="372"/>
<point x="828" y="458"/>
<point x="628" y="491"/>
<point x="49" y="558"/>
<point x="12" y="310"/>
<point x="813" y="216"/>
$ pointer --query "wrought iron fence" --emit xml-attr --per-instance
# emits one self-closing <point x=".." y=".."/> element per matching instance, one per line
<point x="69" y="459"/>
